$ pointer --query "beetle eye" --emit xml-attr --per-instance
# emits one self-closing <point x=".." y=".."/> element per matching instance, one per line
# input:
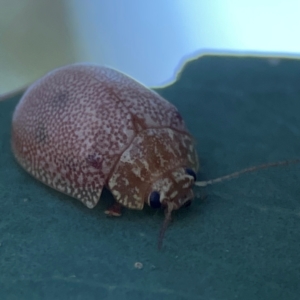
<point x="191" y="172"/>
<point x="154" y="200"/>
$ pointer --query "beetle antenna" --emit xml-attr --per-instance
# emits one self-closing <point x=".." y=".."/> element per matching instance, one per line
<point x="167" y="220"/>
<point x="247" y="170"/>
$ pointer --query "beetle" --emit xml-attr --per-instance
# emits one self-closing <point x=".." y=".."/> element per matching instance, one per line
<point x="83" y="127"/>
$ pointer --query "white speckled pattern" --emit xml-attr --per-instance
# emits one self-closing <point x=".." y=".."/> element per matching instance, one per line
<point x="72" y="127"/>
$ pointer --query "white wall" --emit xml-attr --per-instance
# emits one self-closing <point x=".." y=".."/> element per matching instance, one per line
<point x="147" y="39"/>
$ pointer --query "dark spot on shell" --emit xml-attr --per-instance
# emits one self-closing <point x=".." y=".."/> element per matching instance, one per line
<point x="95" y="160"/>
<point x="139" y="123"/>
<point x="41" y="134"/>
<point x="60" y="100"/>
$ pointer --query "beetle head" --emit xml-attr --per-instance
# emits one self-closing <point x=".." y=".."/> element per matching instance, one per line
<point x="172" y="190"/>
<point x="158" y="168"/>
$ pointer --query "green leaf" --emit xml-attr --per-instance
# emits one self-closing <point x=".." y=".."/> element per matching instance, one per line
<point x="241" y="242"/>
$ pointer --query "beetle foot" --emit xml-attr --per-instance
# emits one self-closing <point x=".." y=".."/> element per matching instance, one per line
<point x="114" y="211"/>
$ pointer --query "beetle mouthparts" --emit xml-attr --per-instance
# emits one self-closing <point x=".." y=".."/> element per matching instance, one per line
<point x="167" y="220"/>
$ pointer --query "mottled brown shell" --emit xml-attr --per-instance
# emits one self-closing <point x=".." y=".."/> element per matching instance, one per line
<point x="72" y="128"/>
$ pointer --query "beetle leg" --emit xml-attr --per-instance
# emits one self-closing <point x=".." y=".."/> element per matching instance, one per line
<point x="115" y="210"/>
